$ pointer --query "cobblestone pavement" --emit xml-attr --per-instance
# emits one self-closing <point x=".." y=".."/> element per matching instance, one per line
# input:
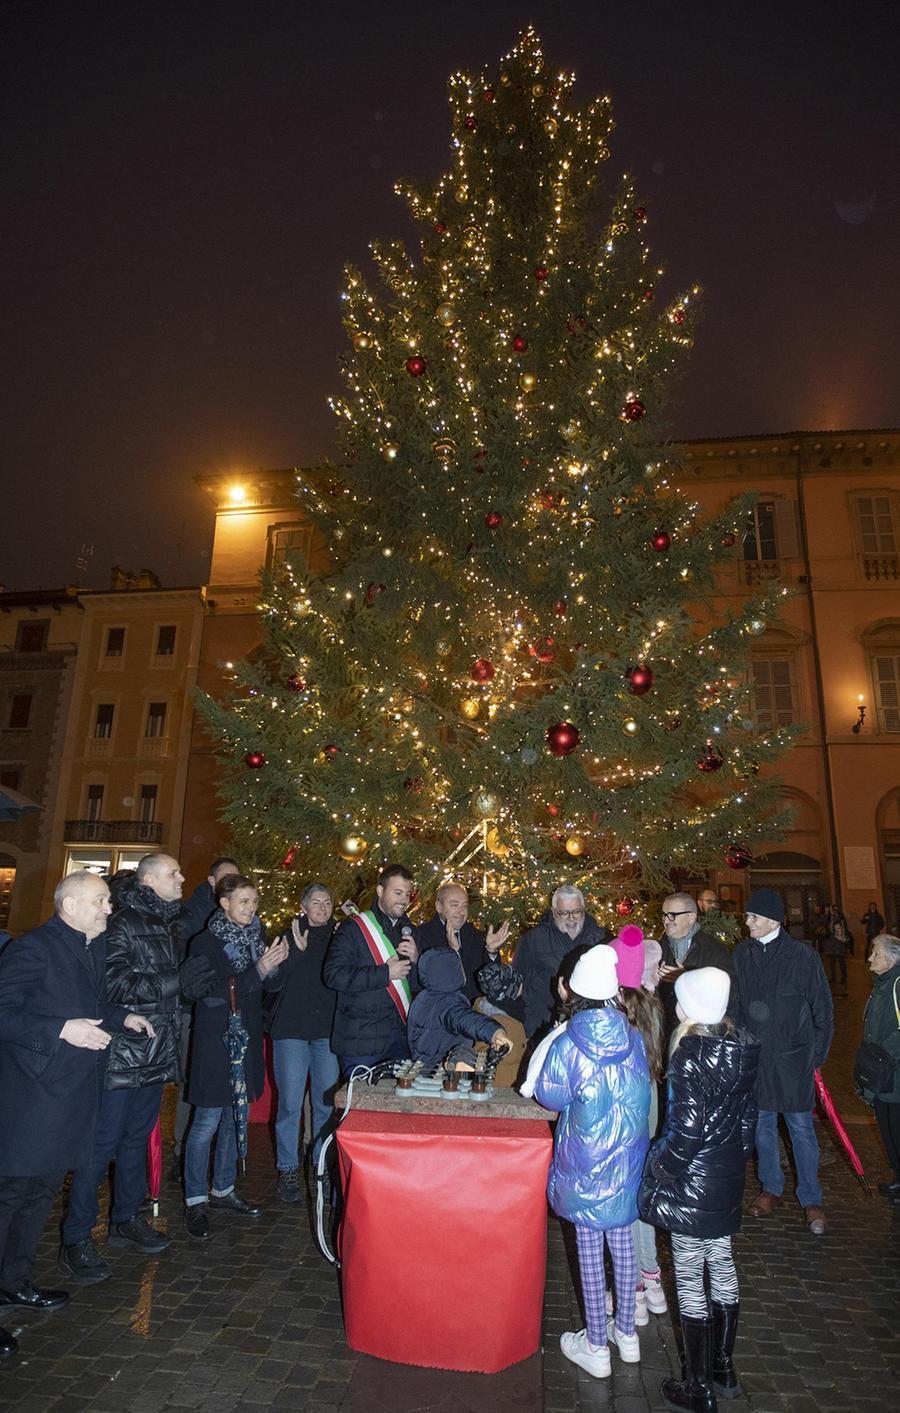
<point x="253" y="1320"/>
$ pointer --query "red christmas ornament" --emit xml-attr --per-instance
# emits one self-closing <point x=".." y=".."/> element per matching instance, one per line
<point x="493" y="520"/>
<point x="553" y="811"/>
<point x="541" y="272"/>
<point x="489" y="95"/>
<point x="640" y="679"/>
<point x="332" y="750"/>
<point x="561" y="608"/>
<point x="482" y="670"/>
<point x="563" y="738"/>
<point x="710" y="760"/>
<point x="544" y="649"/>
<point x="624" y="907"/>
<point x="415" y="365"/>
<point x="520" y="344"/>
<point x="255" y="759"/>
<point x="440" y="228"/>
<point x="736" y="856"/>
<point x="729" y="539"/>
<point x="373" y="590"/>
<point x="289" y="857"/>
<point x="661" y="541"/>
<point x="548" y="500"/>
<point x="413" y="783"/>
<point x="470" y="122"/>
<point x="677" y="315"/>
<point x="649" y="295"/>
<point x="640" y="213"/>
<point x="295" y="683"/>
<point x="633" y="410"/>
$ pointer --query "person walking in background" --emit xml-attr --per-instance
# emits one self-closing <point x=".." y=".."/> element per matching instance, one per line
<point x="873" y="922"/>
<point x="300" y="1026"/>
<point x="835" y="946"/>
<point x="594" y="1074"/>
<point x="693" y="1182"/>
<point x="879" y="1083"/>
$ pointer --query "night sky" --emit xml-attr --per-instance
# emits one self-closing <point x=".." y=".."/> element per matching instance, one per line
<point x="182" y="185"/>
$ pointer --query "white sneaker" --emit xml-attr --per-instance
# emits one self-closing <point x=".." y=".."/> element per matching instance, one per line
<point x="595" y="1361"/>
<point x="641" y="1312"/>
<point x="629" y="1346"/>
<point x="654" y="1294"/>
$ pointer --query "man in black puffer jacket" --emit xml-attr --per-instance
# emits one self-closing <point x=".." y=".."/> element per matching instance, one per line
<point x="143" y="949"/>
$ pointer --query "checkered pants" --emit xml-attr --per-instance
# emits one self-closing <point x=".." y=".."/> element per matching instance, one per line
<point x="593" y="1279"/>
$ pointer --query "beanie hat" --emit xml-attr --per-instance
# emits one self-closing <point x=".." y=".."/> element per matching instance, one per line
<point x="499" y="982"/>
<point x="765" y="902"/>
<point x="652" y="959"/>
<point x="703" y="994"/>
<point x="594" y="974"/>
<point x="629" y="950"/>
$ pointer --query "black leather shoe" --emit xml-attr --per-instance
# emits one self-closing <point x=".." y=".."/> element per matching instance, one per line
<point x="137" y="1233"/>
<point x="33" y="1298"/>
<point x="233" y="1203"/>
<point x="8" y="1344"/>
<point x="196" y="1220"/>
<point x="83" y="1263"/>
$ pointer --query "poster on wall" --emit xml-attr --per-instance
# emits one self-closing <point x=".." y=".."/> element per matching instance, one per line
<point x="859" y="867"/>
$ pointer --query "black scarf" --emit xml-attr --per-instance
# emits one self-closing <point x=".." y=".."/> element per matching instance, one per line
<point x="151" y="902"/>
<point x="242" y="945"/>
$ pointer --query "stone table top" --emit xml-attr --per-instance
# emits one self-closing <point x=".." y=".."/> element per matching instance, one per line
<point x="503" y="1103"/>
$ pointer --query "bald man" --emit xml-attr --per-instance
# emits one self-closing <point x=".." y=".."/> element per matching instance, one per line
<point x="450" y="925"/>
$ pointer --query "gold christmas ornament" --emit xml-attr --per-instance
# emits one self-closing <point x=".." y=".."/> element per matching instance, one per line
<point x="353" y="847"/>
<point x="390" y="451"/>
<point x="461" y="194"/>
<point x="756" y="626"/>
<point x="574" y="845"/>
<point x="408" y="705"/>
<point x="528" y="382"/>
<point x="471" y="236"/>
<point x="470" y="707"/>
<point x="630" y="726"/>
<point x="485" y="803"/>
<point x="443" y="647"/>
<point x="569" y="431"/>
<point x="300" y="607"/>
<point x="538" y="90"/>
<point x="551" y="127"/>
<point x="361" y="341"/>
<point x="445" y="314"/>
<point x="444" y="448"/>
<point x="494" y="844"/>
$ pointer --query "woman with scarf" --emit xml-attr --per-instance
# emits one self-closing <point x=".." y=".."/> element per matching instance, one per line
<point x="234" y="945"/>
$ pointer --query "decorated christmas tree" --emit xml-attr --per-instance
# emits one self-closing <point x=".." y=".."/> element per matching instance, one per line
<point x="507" y="668"/>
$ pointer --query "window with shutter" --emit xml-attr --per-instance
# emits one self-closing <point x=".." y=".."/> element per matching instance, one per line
<point x="886" y="674"/>
<point x="773" y="692"/>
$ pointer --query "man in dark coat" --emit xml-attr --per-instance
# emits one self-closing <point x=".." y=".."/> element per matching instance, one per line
<point x="783" y="999"/>
<point x="55" y="1024"/>
<point x="449" y="928"/>
<point x="142" y="957"/>
<point x="542" y="950"/>
<point x="371" y="964"/>
<point x="685" y="947"/>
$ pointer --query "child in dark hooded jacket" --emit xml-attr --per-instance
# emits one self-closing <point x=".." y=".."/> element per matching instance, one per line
<point x="440" y="1016"/>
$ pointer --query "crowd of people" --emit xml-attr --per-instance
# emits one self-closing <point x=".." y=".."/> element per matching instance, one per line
<point x="129" y="987"/>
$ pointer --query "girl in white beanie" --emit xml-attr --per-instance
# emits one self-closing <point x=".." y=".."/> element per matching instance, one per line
<point x="693" y="1182"/>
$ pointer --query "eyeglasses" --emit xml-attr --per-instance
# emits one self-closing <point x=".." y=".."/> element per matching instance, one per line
<point x="685" y="912"/>
<point x="573" y="912"/>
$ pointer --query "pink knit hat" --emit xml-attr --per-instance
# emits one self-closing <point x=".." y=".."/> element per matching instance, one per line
<point x="629" y="950"/>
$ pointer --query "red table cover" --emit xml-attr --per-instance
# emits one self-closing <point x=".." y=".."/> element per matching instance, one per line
<point x="443" y="1240"/>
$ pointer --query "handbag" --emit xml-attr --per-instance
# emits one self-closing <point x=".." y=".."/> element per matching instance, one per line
<point x="875" y="1068"/>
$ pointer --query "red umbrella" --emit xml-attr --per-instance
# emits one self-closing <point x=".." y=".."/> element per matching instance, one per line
<point x="831" y="1113"/>
<point x="154" y="1165"/>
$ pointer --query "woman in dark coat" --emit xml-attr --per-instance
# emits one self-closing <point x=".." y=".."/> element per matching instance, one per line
<point x="881" y="1025"/>
<point x="693" y="1181"/>
<point x="234" y="945"/>
<point x="300" y="1027"/>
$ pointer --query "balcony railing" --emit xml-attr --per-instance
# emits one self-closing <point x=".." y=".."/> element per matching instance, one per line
<point x="881" y="566"/>
<point x="113" y="831"/>
<point x="761" y="571"/>
<point x="98" y="747"/>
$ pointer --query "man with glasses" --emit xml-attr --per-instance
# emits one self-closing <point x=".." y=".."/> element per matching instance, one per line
<point x="541" y="952"/>
<point x="685" y="947"/>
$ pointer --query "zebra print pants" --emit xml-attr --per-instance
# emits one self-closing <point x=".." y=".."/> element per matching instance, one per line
<point x="689" y="1255"/>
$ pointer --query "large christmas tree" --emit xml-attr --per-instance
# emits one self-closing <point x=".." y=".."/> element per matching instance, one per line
<point x="508" y="670"/>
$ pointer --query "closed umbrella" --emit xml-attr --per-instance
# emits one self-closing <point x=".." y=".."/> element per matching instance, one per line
<point x="236" y="1040"/>
<point x="828" y="1108"/>
<point x="154" y="1165"/>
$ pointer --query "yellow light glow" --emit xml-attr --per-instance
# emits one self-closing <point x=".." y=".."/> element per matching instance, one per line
<point x="237" y="494"/>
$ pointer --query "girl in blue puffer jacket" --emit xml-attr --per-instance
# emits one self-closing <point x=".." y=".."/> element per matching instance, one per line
<point x="595" y="1074"/>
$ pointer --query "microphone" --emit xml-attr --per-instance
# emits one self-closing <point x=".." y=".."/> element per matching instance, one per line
<point x="406" y="933"/>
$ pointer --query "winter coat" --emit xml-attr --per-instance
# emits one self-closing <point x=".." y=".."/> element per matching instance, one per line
<point x="704" y="951"/>
<point x="873" y="923"/>
<point x="304" y="1007"/>
<point x="540" y="954"/>
<point x="440" y="1016"/>
<point x="472" y="950"/>
<point x="781" y="996"/>
<point x="880" y="1025"/>
<point x="208" y="1083"/>
<point x="196" y="912"/>
<point x="837" y="939"/>
<point x="366" y="1020"/>
<point x="142" y="956"/>
<point x="693" y="1182"/>
<point x="596" y="1075"/>
<point x="50" y="1090"/>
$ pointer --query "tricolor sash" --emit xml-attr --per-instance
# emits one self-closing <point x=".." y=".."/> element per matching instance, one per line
<point x="383" y="950"/>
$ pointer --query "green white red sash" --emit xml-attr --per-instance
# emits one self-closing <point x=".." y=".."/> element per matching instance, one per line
<point x="383" y="950"/>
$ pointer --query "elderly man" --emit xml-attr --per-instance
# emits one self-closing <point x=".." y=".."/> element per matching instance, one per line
<point x="541" y="952"/>
<point x="449" y="926"/>
<point x="685" y="947"/>
<point x="143" y="948"/>
<point x="55" y="1024"/>
<point x="371" y="964"/>
<point x="783" y="998"/>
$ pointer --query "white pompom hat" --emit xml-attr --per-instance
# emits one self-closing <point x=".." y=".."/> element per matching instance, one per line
<point x="703" y="994"/>
<point x="594" y="974"/>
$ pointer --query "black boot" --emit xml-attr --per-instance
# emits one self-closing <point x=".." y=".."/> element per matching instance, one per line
<point x="695" y="1393"/>
<point x="725" y="1323"/>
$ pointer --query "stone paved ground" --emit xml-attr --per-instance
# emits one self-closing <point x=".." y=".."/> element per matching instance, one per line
<point x="253" y="1321"/>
